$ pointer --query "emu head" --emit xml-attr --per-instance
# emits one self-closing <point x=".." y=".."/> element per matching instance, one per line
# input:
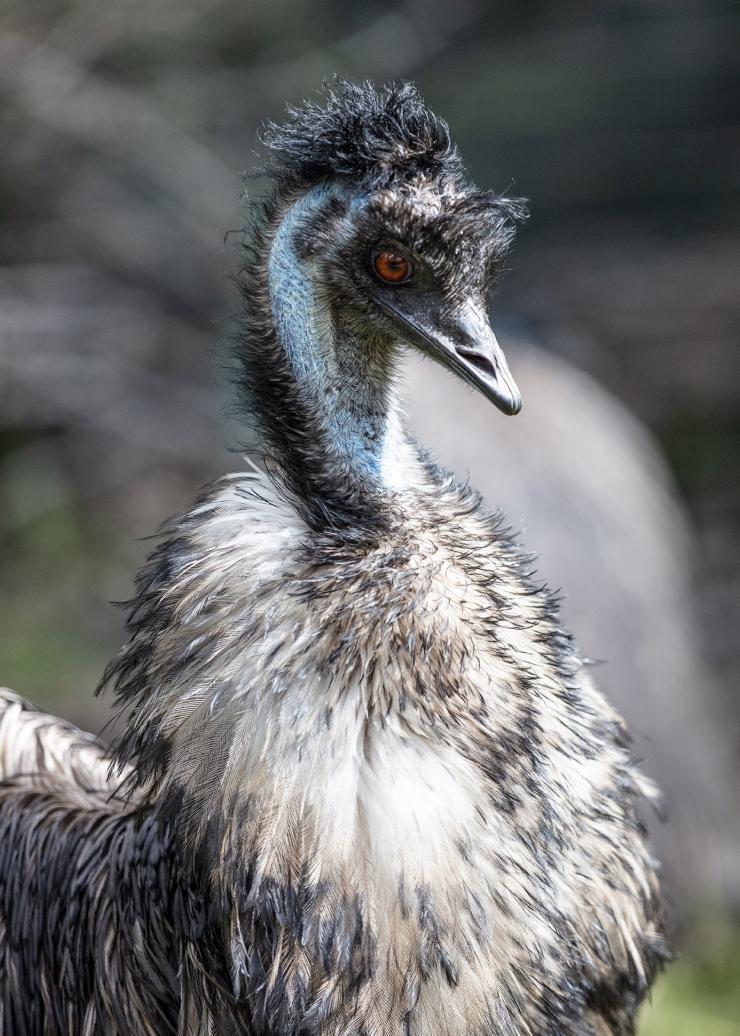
<point x="394" y="235"/>
<point x="372" y="239"/>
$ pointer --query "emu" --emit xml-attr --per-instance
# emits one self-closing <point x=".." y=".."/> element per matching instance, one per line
<point x="365" y="784"/>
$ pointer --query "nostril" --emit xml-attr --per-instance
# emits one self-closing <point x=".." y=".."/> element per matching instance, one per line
<point x="478" y="359"/>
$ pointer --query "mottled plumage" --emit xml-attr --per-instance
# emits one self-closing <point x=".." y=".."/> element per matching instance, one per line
<point x="366" y="785"/>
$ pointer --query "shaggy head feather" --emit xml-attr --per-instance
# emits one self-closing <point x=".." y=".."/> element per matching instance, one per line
<point x="364" y="134"/>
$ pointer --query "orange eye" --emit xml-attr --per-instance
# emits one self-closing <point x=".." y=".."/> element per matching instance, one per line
<point x="391" y="268"/>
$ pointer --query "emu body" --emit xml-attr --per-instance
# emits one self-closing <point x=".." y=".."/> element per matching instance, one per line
<point x="365" y="784"/>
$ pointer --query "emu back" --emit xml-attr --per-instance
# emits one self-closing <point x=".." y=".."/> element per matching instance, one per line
<point x="91" y="900"/>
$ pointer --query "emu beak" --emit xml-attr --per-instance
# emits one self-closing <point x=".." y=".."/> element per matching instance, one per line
<point x="462" y="341"/>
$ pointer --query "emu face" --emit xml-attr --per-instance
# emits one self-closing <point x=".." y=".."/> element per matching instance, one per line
<point x="416" y="262"/>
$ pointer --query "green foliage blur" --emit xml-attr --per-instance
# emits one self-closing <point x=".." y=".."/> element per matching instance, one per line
<point x="700" y="994"/>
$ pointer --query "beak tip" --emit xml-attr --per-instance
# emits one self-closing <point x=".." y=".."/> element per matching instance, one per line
<point x="509" y="402"/>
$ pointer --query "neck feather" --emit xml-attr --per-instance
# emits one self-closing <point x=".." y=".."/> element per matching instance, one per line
<point x="322" y="383"/>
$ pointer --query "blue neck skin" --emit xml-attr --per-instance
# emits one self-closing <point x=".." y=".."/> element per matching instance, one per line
<point x="347" y="381"/>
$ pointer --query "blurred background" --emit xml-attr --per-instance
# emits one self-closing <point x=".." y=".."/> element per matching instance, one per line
<point x="125" y="130"/>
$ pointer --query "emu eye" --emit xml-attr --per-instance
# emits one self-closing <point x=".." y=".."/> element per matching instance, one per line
<point x="391" y="267"/>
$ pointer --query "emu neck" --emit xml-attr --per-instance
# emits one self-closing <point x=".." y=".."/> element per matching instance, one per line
<point x="342" y="372"/>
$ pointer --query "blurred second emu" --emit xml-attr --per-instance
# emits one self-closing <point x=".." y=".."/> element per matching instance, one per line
<point x="365" y="785"/>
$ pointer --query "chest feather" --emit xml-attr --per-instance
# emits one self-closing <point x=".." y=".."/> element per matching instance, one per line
<point x="382" y="750"/>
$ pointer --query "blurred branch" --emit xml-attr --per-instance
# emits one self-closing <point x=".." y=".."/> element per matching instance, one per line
<point x="68" y="99"/>
<point x="80" y="34"/>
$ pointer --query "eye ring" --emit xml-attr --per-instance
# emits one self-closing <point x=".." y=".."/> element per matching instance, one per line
<point x="390" y="267"/>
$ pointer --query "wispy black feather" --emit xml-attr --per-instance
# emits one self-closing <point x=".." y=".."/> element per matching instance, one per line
<point x="363" y="133"/>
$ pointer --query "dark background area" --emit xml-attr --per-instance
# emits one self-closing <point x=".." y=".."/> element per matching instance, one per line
<point x="125" y="128"/>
